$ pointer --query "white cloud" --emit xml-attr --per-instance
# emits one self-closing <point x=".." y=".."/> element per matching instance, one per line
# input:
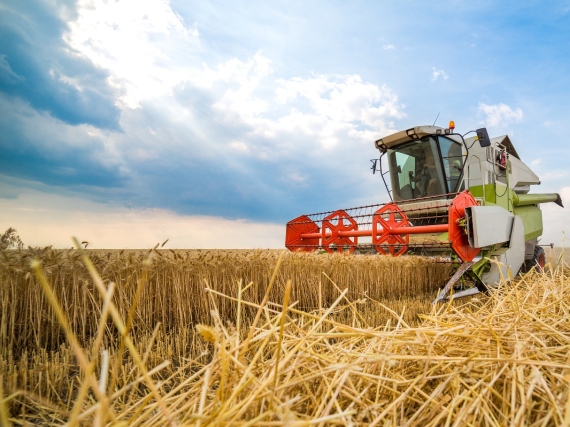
<point x="341" y="103"/>
<point x="116" y="35"/>
<point x="299" y="178"/>
<point x="140" y="44"/>
<point x="327" y="108"/>
<point x="343" y="98"/>
<point x="554" y="174"/>
<point x="499" y="114"/>
<point x="389" y="47"/>
<point x="436" y="74"/>
<point x="239" y="146"/>
<point x="246" y="73"/>
<point x="248" y="76"/>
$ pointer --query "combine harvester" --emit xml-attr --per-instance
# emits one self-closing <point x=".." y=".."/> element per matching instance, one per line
<point x="467" y="201"/>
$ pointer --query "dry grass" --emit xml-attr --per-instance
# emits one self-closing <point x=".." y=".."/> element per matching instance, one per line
<point x="174" y="289"/>
<point x="557" y="255"/>
<point x="497" y="360"/>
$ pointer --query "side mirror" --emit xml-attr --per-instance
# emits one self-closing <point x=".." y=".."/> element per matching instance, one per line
<point x="483" y="137"/>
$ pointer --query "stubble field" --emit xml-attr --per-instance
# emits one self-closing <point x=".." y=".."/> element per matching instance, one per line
<point x="268" y="338"/>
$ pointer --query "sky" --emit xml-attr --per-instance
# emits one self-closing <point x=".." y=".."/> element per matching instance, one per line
<point x="213" y="123"/>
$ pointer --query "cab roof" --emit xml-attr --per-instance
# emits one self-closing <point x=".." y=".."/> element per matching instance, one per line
<point x="418" y="132"/>
<point x="411" y="134"/>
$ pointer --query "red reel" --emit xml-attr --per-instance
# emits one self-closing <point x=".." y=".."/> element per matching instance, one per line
<point x="297" y="227"/>
<point x="386" y="219"/>
<point x="332" y="224"/>
<point x="457" y="235"/>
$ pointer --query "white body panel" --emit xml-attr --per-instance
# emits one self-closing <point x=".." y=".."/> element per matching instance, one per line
<point x="521" y="175"/>
<point x="488" y="225"/>
<point x="506" y="265"/>
<point x="482" y="168"/>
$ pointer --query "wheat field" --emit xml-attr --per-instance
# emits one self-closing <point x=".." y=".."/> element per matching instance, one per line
<point x="268" y="338"/>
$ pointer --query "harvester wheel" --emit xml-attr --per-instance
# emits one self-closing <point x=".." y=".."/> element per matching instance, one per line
<point x="538" y="260"/>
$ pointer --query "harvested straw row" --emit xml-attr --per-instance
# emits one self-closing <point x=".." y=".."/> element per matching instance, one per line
<point x="173" y="292"/>
<point x="502" y="360"/>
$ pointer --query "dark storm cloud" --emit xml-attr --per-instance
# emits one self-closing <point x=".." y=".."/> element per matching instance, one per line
<point x="74" y="168"/>
<point x="36" y="65"/>
<point x="222" y="189"/>
<point x="265" y="194"/>
<point x="38" y="148"/>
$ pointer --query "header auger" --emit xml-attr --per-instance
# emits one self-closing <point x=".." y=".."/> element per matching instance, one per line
<point x="465" y="200"/>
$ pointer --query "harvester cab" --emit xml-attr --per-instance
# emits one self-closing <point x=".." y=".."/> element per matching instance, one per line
<point x="467" y="201"/>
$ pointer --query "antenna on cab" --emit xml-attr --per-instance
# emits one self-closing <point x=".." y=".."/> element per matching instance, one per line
<point x="435" y="119"/>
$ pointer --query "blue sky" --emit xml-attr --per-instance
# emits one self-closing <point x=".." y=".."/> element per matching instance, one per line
<point x="214" y="123"/>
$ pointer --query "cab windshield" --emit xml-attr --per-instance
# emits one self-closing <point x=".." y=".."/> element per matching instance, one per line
<point x="428" y="167"/>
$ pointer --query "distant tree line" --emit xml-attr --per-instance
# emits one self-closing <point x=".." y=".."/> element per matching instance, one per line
<point x="10" y="240"/>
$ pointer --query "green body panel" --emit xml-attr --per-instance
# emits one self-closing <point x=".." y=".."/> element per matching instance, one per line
<point x="494" y="195"/>
<point x="532" y="220"/>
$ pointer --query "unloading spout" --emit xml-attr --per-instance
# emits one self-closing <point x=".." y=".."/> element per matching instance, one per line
<point x="533" y="199"/>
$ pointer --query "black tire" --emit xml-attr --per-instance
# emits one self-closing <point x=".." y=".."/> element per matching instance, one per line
<point x="538" y="260"/>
